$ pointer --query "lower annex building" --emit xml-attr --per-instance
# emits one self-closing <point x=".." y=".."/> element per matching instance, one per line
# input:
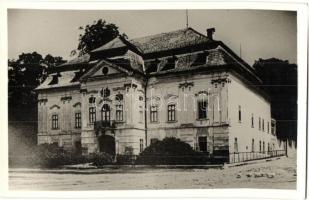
<point x="126" y="94"/>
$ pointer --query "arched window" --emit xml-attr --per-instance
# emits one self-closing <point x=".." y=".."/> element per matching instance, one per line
<point x="105" y="112"/>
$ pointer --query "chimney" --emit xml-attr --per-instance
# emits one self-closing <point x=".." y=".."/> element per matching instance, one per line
<point x="210" y="32"/>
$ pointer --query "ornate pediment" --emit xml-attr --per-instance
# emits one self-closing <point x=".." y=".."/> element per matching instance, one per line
<point x="77" y="104"/>
<point x="105" y="69"/>
<point x="170" y="96"/>
<point x="54" y="106"/>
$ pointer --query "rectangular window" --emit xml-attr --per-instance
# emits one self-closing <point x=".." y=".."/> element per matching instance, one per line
<point x="252" y="147"/>
<point x="92" y="114"/>
<point x="235" y="145"/>
<point x="153" y="113"/>
<point x="252" y="121"/>
<point x="273" y="127"/>
<point x="259" y="123"/>
<point x="239" y="113"/>
<point x="267" y="127"/>
<point x="263" y="125"/>
<point x="119" y="112"/>
<point x="153" y="140"/>
<point x="141" y="145"/>
<point x="171" y="113"/>
<point x="55" y="122"/>
<point x="141" y="114"/>
<point x="202" y="142"/>
<point x="202" y="109"/>
<point x="263" y="147"/>
<point x="78" y="120"/>
<point x="260" y="146"/>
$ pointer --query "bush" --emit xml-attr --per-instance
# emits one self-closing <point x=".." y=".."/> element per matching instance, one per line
<point x="171" y="151"/>
<point x="50" y="155"/>
<point x="47" y="156"/>
<point x="126" y="159"/>
<point x="101" y="159"/>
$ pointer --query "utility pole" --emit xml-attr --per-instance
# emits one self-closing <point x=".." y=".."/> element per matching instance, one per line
<point x="187" y="19"/>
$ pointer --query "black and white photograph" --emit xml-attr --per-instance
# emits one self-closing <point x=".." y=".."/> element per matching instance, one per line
<point x="152" y="99"/>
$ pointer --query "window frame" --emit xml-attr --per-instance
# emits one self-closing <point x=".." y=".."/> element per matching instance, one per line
<point x="78" y="120"/>
<point x="141" y="145"/>
<point x="236" y="150"/>
<point x="171" y="113"/>
<point x="105" y="113"/>
<point x="92" y="114"/>
<point x="252" y="145"/>
<point x="119" y="112"/>
<point x="239" y="114"/>
<point x="55" y="122"/>
<point x="201" y="113"/>
<point x="153" y="113"/>
<point x="252" y="120"/>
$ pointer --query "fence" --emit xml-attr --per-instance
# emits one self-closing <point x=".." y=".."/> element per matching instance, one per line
<point x="237" y="157"/>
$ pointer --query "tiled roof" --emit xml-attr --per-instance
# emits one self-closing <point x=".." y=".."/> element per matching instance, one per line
<point x="170" y="40"/>
<point x="66" y="79"/>
<point x="116" y="43"/>
<point x="159" y="42"/>
<point x="79" y="60"/>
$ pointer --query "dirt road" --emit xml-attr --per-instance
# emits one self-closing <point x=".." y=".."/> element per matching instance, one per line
<point x="276" y="174"/>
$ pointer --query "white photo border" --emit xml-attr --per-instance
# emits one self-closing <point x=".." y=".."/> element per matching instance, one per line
<point x="302" y="54"/>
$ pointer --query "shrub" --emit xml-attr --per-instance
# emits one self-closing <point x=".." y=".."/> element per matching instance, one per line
<point x="50" y="155"/>
<point x="170" y="151"/>
<point x="101" y="159"/>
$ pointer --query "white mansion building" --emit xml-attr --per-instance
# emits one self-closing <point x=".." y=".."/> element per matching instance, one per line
<point x="126" y="94"/>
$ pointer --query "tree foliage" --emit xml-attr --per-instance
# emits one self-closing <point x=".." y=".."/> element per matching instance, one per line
<point x="25" y="74"/>
<point x="279" y="79"/>
<point x="96" y="35"/>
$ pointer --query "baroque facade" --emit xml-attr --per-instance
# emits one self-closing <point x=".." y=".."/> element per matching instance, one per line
<point x="126" y="94"/>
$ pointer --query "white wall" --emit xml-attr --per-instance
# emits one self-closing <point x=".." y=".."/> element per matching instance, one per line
<point x="251" y="102"/>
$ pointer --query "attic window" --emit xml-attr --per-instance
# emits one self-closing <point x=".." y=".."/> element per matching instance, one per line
<point x="55" y="79"/>
<point x="171" y="63"/>
<point x="105" y="70"/>
<point x="200" y="59"/>
<point x="153" y="66"/>
<point x="77" y="75"/>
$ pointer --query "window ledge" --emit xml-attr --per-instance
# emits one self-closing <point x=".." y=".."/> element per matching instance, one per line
<point x="155" y="122"/>
<point x="202" y="119"/>
<point x="172" y="121"/>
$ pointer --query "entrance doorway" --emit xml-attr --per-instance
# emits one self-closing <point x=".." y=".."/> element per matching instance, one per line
<point x="107" y="144"/>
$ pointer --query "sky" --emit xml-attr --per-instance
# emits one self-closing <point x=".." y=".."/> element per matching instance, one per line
<point x="259" y="34"/>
